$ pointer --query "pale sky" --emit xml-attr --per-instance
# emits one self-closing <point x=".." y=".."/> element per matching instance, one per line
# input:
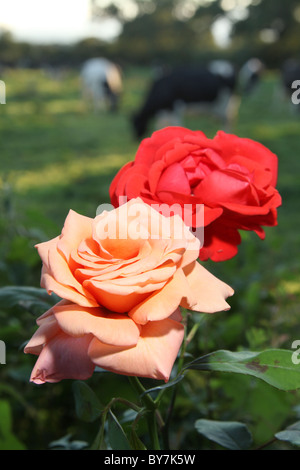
<point x="67" y="21"/>
<point x="52" y="20"/>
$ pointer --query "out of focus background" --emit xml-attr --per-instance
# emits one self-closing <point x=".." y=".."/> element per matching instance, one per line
<point x="77" y="80"/>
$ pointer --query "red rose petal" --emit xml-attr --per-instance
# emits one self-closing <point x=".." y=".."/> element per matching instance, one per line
<point x="226" y="187"/>
<point x="174" y="179"/>
<point x="232" y="145"/>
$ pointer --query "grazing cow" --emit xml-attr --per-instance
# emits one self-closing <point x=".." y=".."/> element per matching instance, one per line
<point x="210" y="87"/>
<point x="215" y="89"/>
<point x="101" y="84"/>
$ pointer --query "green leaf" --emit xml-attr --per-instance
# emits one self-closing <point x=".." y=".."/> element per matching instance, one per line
<point x="66" y="443"/>
<point x="136" y="443"/>
<point x="274" y="366"/>
<point x="229" y="434"/>
<point x="116" y="435"/>
<point x="291" y="434"/>
<point x="99" y="441"/>
<point x="169" y="384"/>
<point x="8" y="441"/>
<point x="34" y="299"/>
<point x="87" y="405"/>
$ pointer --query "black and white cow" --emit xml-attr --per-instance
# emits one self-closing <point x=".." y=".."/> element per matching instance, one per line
<point x="101" y="84"/>
<point x="213" y="89"/>
<point x="210" y="87"/>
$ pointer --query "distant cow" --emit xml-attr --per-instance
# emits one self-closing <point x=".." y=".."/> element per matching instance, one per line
<point x="211" y="87"/>
<point x="101" y="84"/>
<point x="215" y="88"/>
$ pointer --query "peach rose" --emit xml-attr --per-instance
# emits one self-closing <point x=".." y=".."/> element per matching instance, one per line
<point x="122" y="277"/>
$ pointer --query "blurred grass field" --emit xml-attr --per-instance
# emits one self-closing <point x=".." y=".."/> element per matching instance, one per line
<point x="55" y="156"/>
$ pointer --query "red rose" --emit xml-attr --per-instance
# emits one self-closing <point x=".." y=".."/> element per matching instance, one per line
<point x="234" y="178"/>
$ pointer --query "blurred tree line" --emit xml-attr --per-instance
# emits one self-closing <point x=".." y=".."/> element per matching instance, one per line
<point x="172" y="31"/>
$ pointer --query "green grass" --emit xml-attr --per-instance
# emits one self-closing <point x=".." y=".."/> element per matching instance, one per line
<point x="56" y="156"/>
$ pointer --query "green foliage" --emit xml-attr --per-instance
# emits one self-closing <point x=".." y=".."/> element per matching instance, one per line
<point x="8" y="440"/>
<point x="33" y="299"/>
<point x="291" y="434"/>
<point x="116" y="436"/>
<point x="87" y="405"/>
<point x="65" y="443"/>
<point x="279" y="20"/>
<point x="274" y="366"/>
<point x="231" y="435"/>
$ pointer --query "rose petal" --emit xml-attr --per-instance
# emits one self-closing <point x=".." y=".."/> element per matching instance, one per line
<point x="57" y="277"/>
<point x="272" y="202"/>
<point x="153" y="356"/>
<point x="232" y="145"/>
<point x="220" y="242"/>
<point x="149" y="146"/>
<point x="48" y="329"/>
<point x="108" y="327"/>
<point x="174" y="179"/>
<point x="162" y="303"/>
<point x="60" y="270"/>
<point x="117" y="185"/>
<point x="64" y="357"/>
<point x="209" y="293"/>
<point x="76" y="228"/>
<point x="66" y="292"/>
<point x="116" y="299"/>
<point x="226" y="187"/>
